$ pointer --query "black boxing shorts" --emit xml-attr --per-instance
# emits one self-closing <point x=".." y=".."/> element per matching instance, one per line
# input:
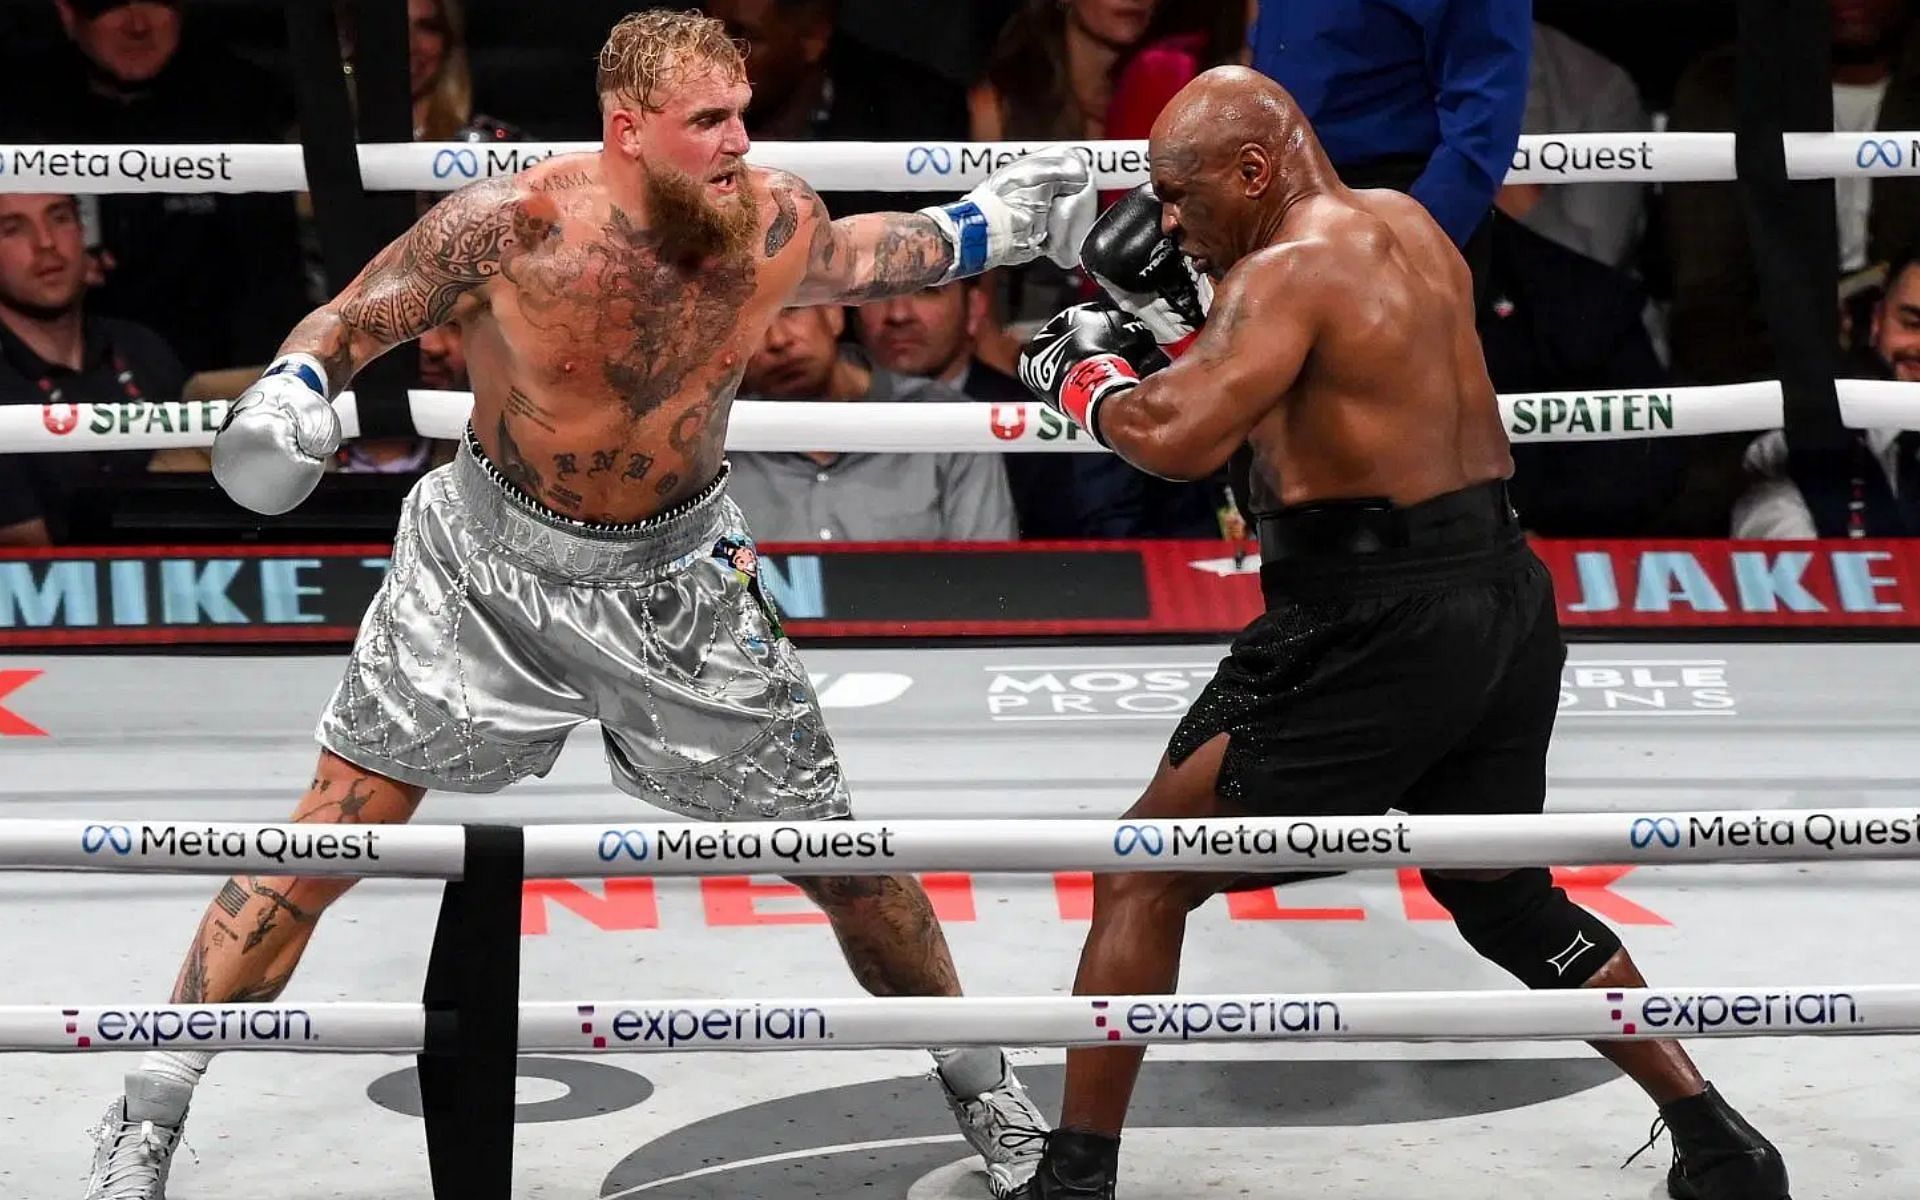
<point x="1409" y="658"/>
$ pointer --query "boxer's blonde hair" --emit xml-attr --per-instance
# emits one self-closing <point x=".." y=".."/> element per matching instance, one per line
<point x="645" y="49"/>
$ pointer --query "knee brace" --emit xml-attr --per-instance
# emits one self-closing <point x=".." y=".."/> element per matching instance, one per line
<point x="1526" y="925"/>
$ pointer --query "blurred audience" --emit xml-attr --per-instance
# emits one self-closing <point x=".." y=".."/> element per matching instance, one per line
<point x="1425" y="97"/>
<point x="1185" y="38"/>
<point x="437" y="69"/>
<point x="814" y="82"/>
<point x="1049" y="78"/>
<point x="54" y="352"/>
<point x="131" y="71"/>
<point x="1719" y="334"/>
<point x="931" y="335"/>
<point x="830" y="496"/>
<point x="1556" y="320"/>
<point x="1572" y="89"/>
<point x="443" y="367"/>
<point x="1871" y="488"/>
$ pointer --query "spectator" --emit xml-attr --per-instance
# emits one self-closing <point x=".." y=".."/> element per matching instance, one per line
<point x="1185" y="38"/>
<point x="443" y="367"/>
<point x="1873" y="488"/>
<point x="131" y="73"/>
<point x="812" y="82"/>
<point x="826" y="496"/>
<point x="930" y="335"/>
<point x="1049" y="78"/>
<point x="437" y="69"/>
<point x="1719" y="334"/>
<point x="1572" y="89"/>
<point x="1423" y="97"/>
<point x="1556" y="320"/>
<point x="53" y="352"/>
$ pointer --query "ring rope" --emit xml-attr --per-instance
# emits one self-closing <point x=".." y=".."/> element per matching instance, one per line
<point x="895" y="1022"/>
<point x="866" y="847"/>
<point x="889" y="427"/>
<point x="1646" y="157"/>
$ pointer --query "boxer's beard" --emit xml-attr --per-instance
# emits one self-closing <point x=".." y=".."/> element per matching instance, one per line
<point x="691" y="226"/>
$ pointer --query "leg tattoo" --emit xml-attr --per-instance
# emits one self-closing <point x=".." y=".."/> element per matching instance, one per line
<point x="349" y="806"/>
<point x="888" y="933"/>
<point x="269" y="916"/>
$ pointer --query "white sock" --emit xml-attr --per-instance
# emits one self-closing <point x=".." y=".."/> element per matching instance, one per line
<point x="971" y="1070"/>
<point x="180" y="1066"/>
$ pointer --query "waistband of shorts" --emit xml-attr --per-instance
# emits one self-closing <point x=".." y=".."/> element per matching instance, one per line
<point x="1361" y="528"/>
<point x="1394" y="573"/>
<point x="1356" y="546"/>
<point x="542" y="537"/>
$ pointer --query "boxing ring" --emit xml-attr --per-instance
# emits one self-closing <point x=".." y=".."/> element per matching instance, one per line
<point x="1754" y="852"/>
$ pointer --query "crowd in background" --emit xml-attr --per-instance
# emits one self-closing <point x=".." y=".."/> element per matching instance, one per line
<point x="1582" y="287"/>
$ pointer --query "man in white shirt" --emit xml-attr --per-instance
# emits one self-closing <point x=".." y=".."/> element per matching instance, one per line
<point x="827" y="496"/>
<point x="1718" y="333"/>
<point x="1879" y="496"/>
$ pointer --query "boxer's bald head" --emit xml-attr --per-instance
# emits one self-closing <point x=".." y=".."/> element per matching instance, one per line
<point x="1225" y="153"/>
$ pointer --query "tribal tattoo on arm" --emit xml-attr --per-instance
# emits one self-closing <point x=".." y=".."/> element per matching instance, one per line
<point x="856" y="259"/>
<point x="413" y="285"/>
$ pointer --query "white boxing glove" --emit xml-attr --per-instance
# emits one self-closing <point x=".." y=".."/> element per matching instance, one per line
<point x="274" y="445"/>
<point x="1043" y="203"/>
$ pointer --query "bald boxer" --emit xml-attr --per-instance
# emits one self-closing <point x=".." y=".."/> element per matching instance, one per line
<point x="1410" y="653"/>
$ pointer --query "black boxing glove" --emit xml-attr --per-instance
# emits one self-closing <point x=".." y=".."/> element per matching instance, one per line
<point x="1144" y="272"/>
<point x="1084" y="355"/>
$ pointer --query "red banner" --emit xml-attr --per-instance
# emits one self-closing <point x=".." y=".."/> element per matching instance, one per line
<point x="261" y="594"/>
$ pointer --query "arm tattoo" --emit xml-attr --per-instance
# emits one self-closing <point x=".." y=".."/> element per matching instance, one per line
<point x="412" y="285"/>
<point x="785" y="221"/>
<point x="870" y="257"/>
<point x="909" y="253"/>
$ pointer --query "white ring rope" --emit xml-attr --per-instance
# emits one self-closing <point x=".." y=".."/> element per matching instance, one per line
<point x="886" y="427"/>
<point x="869" y="1023"/>
<point x="1643" y="157"/>
<point x="1251" y="844"/>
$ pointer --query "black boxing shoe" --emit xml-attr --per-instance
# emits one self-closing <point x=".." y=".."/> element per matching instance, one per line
<point x="1717" y="1155"/>
<point x="1076" y="1166"/>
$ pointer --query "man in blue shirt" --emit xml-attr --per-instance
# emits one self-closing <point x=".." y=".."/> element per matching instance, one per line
<point x="1424" y="96"/>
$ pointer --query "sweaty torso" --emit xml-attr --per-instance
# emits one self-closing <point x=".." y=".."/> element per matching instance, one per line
<point x="1394" y="399"/>
<point x="602" y="372"/>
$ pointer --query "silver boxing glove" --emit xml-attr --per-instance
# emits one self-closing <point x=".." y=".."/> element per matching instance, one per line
<point x="274" y="445"/>
<point x="1043" y="203"/>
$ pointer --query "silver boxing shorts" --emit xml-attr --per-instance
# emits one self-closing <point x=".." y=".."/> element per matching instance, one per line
<point x="501" y="626"/>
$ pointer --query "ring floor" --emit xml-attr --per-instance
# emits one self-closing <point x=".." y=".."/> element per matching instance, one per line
<point x="988" y="733"/>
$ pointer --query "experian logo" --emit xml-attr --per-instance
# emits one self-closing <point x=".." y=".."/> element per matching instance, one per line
<point x="1744" y="1010"/>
